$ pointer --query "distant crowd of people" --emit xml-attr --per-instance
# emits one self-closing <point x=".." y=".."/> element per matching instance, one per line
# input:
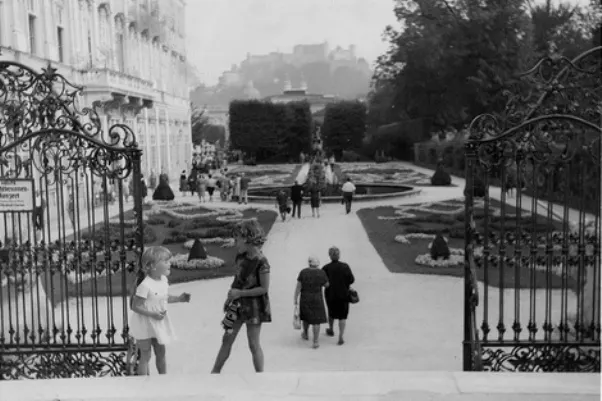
<point x="231" y="187"/>
<point x="297" y="195"/>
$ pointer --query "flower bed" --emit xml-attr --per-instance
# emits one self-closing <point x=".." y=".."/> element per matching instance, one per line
<point x="172" y="225"/>
<point x="181" y="261"/>
<point x="225" y="242"/>
<point x="402" y="236"/>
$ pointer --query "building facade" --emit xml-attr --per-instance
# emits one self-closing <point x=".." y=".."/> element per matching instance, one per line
<point x="317" y="102"/>
<point x="128" y="55"/>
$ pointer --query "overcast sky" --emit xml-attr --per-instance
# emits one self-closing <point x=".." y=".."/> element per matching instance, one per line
<point x="221" y="32"/>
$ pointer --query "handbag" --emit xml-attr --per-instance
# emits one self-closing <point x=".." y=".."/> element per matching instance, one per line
<point x="353" y="296"/>
<point x="296" y="319"/>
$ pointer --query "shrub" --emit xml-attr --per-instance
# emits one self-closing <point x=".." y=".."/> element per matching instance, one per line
<point x="155" y="221"/>
<point x="214" y="232"/>
<point x="441" y="177"/>
<point x="439" y="248"/>
<point x="173" y="223"/>
<point x="207" y="222"/>
<point x="175" y="239"/>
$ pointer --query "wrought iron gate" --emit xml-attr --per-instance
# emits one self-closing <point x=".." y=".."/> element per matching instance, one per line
<point x="533" y="224"/>
<point x="70" y="230"/>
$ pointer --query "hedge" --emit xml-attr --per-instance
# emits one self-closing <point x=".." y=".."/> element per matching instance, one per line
<point x="583" y="189"/>
<point x="270" y="131"/>
<point x="344" y="126"/>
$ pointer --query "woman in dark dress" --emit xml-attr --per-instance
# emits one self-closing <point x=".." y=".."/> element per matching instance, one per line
<point x="163" y="191"/>
<point x="315" y="198"/>
<point x="183" y="182"/>
<point x="250" y="288"/>
<point x="337" y="295"/>
<point x="308" y="295"/>
<point x="192" y="183"/>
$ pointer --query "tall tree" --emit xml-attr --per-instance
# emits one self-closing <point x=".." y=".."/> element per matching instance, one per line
<point x="198" y="122"/>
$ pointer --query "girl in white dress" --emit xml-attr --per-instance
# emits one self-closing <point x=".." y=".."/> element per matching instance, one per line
<point x="150" y="325"/>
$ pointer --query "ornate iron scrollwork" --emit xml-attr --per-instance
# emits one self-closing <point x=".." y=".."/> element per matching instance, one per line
<point x="72" y="163"/>
<point x="65" y="364"/>
<point x="39" y="114"/>
<point x="541" y="358"/>
<point x="544" y="146"/>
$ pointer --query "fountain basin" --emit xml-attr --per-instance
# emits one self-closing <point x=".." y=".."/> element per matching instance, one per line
<point x="364" y="192"/>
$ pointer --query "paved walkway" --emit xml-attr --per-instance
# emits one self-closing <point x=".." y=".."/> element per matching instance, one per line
<point x="316" y="386"/>
<point x="385" y="330"/>
<point x="403" y="322"/>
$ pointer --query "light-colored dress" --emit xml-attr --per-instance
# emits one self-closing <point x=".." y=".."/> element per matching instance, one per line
<point x="155" y="294"/>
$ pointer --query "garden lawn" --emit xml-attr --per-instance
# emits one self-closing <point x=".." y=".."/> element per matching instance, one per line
<point x="400" y="258"/>
<point x="172" y="233"/>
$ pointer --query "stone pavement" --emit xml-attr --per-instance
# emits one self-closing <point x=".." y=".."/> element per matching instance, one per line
<point x="315" y="386"/>
<point x="386" y="331"/>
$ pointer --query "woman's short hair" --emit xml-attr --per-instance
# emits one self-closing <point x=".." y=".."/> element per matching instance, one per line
<point x="251" y="231"/>
<point x="334" y="253"/>
<point x="313" y="261"/>
<point x="154" y="254"/>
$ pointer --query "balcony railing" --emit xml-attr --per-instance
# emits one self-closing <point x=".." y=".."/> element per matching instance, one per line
<point x="104" y="78"/>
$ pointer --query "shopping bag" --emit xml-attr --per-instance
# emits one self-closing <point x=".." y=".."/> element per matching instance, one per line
<point x="296" y="319"/>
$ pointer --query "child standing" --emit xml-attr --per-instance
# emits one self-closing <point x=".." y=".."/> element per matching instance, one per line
<point x="150" y="325"/>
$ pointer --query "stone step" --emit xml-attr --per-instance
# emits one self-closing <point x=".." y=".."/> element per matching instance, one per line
<point x="334" y="386"/>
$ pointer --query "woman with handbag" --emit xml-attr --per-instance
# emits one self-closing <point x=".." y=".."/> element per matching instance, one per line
<point x="339" y="294"/>
<point x="247" y="299"/>
<point x="309" y="299"/>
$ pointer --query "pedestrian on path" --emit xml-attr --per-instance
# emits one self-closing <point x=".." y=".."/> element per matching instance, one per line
<point x="244" y="188"/>
<point x="192" y="182"/>
<point x="183" y="183"/>
<point x="315" y="198"/>
<point x="340" y="278"/>
<point x="282" y="204"/>
<point x="201" y="185"/>
<point x="236" y="189"/>
<point x="211" y="183"/>
<point x="150" y="325"/>
<point x="297" y="198"/>
<point x="348" y="190"/>
<point x="309" y="299"/>
<point x="250" y="290"/>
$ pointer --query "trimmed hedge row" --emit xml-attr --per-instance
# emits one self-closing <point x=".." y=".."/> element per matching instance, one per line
<point x="267" y="131"/>
<point x="580" y="191"/>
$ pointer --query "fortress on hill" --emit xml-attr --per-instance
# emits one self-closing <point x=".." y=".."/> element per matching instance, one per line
<point x="316" y="64"/>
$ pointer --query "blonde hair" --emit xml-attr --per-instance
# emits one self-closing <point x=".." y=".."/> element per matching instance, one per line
<point x="152" y="255"/>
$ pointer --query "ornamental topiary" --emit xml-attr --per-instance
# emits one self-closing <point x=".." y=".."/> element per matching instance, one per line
<point x="197" y="251"/>
<point x="441" y="177"/>
<point x="439" y="248"/>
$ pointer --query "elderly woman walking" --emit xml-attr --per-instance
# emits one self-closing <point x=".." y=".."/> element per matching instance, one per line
<point x="247" y="299"/>
<point x="308" y="295"/>
<point x="340" y="278"/>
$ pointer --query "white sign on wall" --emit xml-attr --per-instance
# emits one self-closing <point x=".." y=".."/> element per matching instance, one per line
<point x="16" y="195"/>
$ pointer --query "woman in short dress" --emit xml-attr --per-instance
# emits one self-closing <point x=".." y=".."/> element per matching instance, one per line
<point x="309" y="297"/>
<point x="250" y="287"/>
